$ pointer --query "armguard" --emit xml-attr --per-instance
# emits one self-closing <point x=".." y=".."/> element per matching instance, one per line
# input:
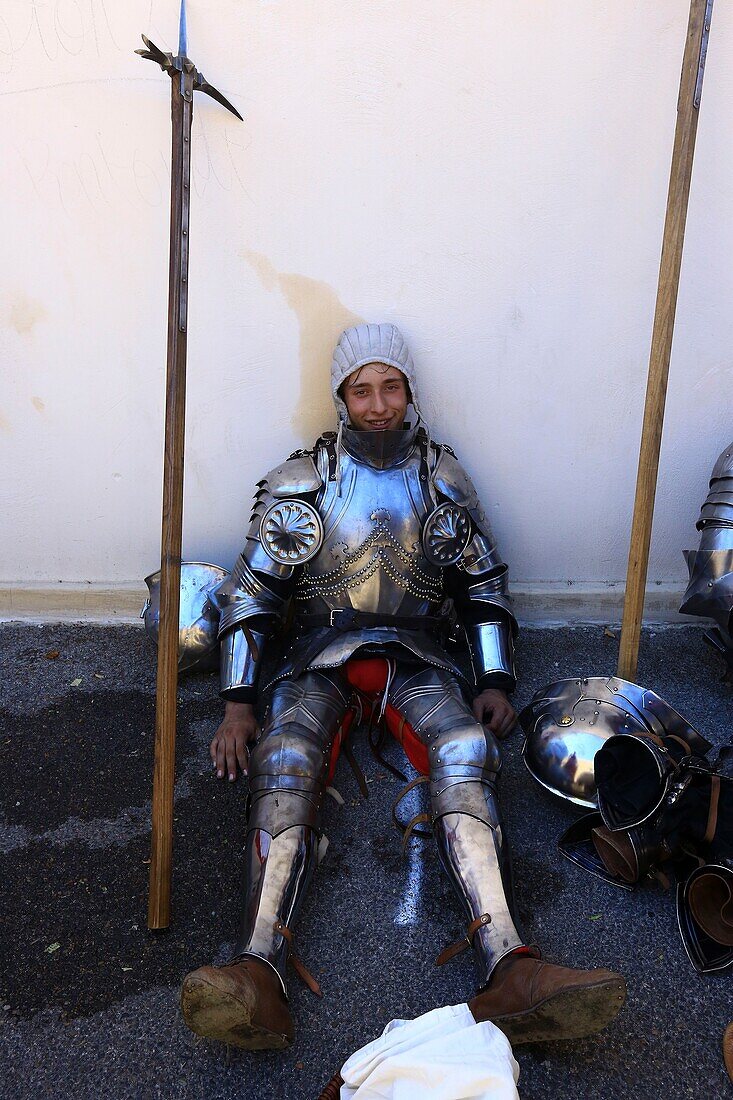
<point x="239" y="664"/>
<point x="491" y="647"/>
<point x="483" y="600"/>
<point x="240" y="597"/>
<point x="243" y="595"/>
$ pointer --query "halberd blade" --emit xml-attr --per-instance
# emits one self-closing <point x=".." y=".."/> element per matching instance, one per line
<point x="203" y="86"/>
<point x="182" y="31"/>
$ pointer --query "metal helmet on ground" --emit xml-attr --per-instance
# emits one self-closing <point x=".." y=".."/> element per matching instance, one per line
<point x="568" y="721"/>
<point x="198" y="619"/>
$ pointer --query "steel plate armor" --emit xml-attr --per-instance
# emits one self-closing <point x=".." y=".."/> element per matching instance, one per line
<point x="363" y="540"/>
<point x="333" y="532"/>
<point x="710" y="589"/>
<point x="198" y="619"/>
<point x="568" y="721"/>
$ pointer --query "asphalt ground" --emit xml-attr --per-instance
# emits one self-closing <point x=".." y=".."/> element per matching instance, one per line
<point x="88" y="996"/>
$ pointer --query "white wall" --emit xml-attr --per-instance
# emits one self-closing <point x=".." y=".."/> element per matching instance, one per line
<point x="490" y="176"/>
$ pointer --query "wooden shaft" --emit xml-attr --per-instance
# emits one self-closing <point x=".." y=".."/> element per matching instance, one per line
<point x="661" y="346"/>
<point x="161" y="851"/>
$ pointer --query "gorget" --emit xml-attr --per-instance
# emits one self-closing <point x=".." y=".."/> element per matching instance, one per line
<point x="380" y="449"/>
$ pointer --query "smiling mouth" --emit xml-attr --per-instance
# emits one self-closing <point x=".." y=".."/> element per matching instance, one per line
<point x="378" y="425"/>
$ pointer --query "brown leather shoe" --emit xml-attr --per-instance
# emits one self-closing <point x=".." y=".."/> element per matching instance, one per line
<point x="241" y="1004"/>
<point x="728" y="1050"/>
<point x="532" y="1001"/>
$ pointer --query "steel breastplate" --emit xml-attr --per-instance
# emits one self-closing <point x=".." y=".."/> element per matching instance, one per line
<point x="372" y="556"/>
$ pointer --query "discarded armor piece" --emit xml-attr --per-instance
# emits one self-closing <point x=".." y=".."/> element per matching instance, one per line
<point x="631" y="854"/>
<point x="577" y="845"/>
<point x="622" y="858"/>
<point x="681" y="809"/>
<point x="568" y="721"/>
<point x="710" y="589"/>
<point x="706" y="953"/>
<point x="710" y="897"/>
<point x="634" y="773"/>
<point x="198" y="618"/>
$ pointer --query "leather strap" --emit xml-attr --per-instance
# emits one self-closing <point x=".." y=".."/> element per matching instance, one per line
<point x="375" y="743"/>
<point x="304" y="975"/>
<point x="411" y="827"/>
<point x="419" y="818"/>
<point x="358" y="773"/>
<point x="680" y="741"/>
<point x="332" y="1091"/>
<point x="460" y="945"/>
<point x="713" y="811"/>
<point x="349" y="618"/>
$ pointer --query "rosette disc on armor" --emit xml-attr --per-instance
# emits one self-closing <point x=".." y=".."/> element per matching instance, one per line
<point x="291" y="532"/>
<point x="445" y="534"/>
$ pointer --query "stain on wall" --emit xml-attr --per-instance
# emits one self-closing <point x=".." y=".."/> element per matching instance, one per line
<point x="321" y="316"/>
<point x="38" y="404"/>
<point x="24" y="313"/>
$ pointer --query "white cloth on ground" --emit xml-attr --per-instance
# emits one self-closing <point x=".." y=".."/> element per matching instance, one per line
<point x="443" y="1055"/>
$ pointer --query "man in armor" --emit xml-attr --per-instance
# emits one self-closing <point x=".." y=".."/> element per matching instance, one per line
<point x="366" y="538"/>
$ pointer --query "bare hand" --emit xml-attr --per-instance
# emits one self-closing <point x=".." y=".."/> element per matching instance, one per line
<point x="494" y="710"/>
<point x="229" y="747"/>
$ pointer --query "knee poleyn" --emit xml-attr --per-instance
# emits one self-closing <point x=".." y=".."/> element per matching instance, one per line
<point x="466" y="746"/>
<point x="292" y="753"/>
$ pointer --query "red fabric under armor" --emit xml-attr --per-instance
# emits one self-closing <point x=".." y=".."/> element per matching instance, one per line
<point x="368" y="677"/>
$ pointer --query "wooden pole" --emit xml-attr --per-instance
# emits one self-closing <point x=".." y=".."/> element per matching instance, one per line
<point x="669" y="276"/>
<point x="161" y="851"/>
<point x="185" y="79"/>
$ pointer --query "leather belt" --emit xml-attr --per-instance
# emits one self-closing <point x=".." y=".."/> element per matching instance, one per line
<point x="349" y="618"/>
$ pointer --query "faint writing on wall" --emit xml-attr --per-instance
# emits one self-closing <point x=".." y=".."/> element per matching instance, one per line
<point x="102" y="176"/>
<point x="57" y="28"/>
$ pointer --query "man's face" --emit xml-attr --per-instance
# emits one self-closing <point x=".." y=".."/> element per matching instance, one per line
<point x="376" y="398"/>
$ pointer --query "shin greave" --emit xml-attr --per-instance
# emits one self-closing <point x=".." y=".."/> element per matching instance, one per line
<point x="287" y="782"/>
<point x="475" y="855"/>
<point x="278" y="871"/>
